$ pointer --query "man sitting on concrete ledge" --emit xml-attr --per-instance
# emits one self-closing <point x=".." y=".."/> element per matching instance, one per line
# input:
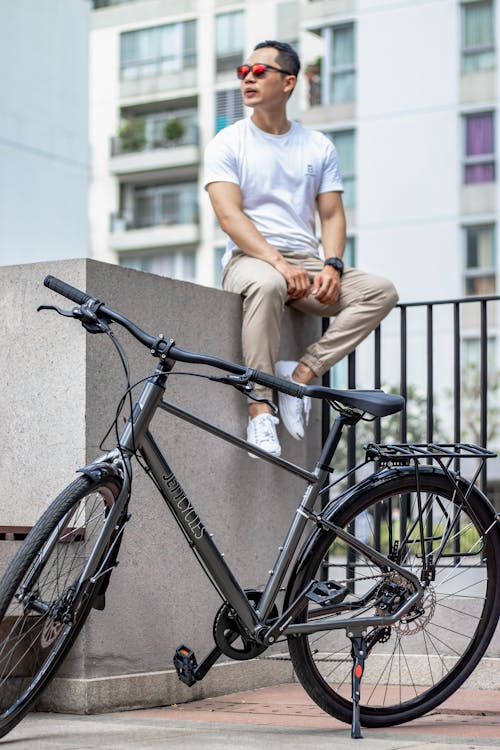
<point x="266" y="177"/>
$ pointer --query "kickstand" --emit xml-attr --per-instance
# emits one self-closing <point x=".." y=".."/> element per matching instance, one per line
<point x="358" y="653"/>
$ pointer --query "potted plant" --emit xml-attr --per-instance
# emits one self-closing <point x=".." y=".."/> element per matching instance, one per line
<point x="174" y="130"/>
<point x="132" y="135"/>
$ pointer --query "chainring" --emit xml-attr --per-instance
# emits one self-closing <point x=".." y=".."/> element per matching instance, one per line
<point x="230" y="635"/>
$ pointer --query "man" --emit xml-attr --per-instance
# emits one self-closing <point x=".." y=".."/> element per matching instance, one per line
<point x="266" y="177"/>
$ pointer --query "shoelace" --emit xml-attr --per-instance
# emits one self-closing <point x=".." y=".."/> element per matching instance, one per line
<point x="302" y="405"/>
<point x="306" y="404"/>
<point x="264" y="428"/>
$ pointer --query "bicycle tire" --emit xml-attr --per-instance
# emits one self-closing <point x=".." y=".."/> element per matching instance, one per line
<point x="37" y="632"/>
<point x="465" y="596"/>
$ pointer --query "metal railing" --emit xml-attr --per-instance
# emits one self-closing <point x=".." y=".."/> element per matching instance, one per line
<point x="481" y="330"/>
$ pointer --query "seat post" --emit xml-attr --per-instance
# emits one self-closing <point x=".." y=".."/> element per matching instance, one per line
<point x="332" y="441"/>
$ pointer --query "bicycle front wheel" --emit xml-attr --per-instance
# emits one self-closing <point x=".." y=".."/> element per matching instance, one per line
<point x="41" y="610"/>
<point x="420" y="661"/>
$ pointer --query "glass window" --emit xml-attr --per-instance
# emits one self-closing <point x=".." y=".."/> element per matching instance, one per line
<point x="229" y="40"/>
<point x="480" y="260"/>
<point x="479" y="148"/>
<point x="478" y="37"/>
<point x="165" y="204"/>
<point x="228" y="108"/>
<point x="471" y="351"/>
<point x="338" y="84"/>
<point x="179" y="264"/>
<point x="160" y="49"/>
<point x="345" y="143"/>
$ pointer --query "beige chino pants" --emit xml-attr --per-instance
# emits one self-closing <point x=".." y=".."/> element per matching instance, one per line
<point x="364" y="301"/>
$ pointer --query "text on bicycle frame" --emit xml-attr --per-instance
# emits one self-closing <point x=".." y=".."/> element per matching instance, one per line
<point x="179" y="498"/>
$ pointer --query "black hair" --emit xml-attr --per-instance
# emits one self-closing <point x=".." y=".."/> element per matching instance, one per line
<point x="287" y="56"/>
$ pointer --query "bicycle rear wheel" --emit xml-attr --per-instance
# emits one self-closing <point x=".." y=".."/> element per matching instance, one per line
<point x="40" y="613"/>
<point x="420" y="661"/>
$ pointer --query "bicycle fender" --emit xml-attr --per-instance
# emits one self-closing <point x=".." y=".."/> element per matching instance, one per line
<point x="335" y="509"/>
<point x="100" y="470"/>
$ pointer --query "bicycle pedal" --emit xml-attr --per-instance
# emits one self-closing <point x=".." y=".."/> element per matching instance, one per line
<point x="326" y="593"/>
<point x="185" y="663"/>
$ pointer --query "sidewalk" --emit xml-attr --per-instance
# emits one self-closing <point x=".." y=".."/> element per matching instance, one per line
<point x="278" y="717"/>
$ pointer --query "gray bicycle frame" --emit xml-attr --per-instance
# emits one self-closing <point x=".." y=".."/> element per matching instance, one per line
<point x="136" y="436"/>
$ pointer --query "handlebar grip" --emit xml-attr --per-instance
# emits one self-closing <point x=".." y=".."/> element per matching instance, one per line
<point x="285" y="386"/>
<point x="66" y="290"/>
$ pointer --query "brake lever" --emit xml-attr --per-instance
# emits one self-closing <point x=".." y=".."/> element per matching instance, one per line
<point x="262" y="400"/>
<point x="242" y="384"/>
<point x="84" y="314"/>
<point x="65" y="313"/>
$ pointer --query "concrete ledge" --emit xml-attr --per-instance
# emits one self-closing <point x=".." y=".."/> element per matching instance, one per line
<point x="163" y="688"/>
<point x="143" y="690"/>
<point x="58" y="398"/>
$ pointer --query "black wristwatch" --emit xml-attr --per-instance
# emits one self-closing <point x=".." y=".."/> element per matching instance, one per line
<point x="336" y="263"/>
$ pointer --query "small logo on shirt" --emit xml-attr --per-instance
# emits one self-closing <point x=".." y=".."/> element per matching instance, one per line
<point x="310" y="170"/>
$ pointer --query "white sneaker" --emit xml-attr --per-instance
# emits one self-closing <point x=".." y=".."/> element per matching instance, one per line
<point x="261" y="431"/>
<point x="292" y="410"/>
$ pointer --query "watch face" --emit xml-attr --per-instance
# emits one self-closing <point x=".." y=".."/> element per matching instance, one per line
<point x="336" y="263"/>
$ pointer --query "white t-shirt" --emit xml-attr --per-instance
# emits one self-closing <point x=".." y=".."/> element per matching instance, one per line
<point x="279" y="176"/>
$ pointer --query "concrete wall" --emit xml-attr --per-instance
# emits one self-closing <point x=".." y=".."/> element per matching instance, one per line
<point x="59" y="392"/>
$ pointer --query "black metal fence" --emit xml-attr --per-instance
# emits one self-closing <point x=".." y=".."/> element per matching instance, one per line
<point x="467" y="319"/>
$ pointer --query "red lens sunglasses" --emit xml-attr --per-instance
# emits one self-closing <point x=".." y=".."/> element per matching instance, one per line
<point x="258" y="70"/>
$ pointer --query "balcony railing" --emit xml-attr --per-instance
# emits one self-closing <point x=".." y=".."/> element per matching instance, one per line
<point x="173" y="133"/>
<point x="440" y="330"/>
<point x="124" y="223"/>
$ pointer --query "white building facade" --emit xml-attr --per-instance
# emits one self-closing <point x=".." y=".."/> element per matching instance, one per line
<point x="407" y="89"/>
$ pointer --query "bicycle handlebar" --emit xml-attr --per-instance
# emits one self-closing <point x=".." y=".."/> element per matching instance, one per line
<point x="158" y="345"/>
<point x="376" y="403"/>
<point x="66" y="290"/>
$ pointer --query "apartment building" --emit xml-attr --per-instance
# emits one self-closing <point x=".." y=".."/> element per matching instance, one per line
<point x="407" y="89"/>
<point x="162" y="84"/>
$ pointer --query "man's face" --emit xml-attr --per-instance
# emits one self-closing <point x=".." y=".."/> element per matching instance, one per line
<point x="273" y="87"/>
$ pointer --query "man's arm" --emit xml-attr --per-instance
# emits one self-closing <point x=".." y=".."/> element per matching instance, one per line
<point x="227" y="203"/>
<point x="326" y="286"/>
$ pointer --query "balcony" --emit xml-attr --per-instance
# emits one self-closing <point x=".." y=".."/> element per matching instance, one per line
<point x="151" y="87"/>
<point x="146" y="144"/>
<point x="318" y="10"/>
<point x="156" y="216"/>
<point x="125" y="237"/>
<point x="329" y="100"/>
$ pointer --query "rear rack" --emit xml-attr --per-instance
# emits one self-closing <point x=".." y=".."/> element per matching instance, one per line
<point x="443" y="454"/>
<point x="402" y="454"/>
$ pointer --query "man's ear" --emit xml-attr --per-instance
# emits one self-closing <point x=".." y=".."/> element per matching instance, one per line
<point x="290" y="85"/>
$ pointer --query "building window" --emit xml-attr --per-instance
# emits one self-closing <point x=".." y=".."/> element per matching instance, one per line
<point x="157" y="50"/>
<point x="229" y="40"/>
<point x="165" y="204"/>
<point x="338" y="79"/>
<point x="345" y="143"/>
<point x="228" y="108"/>
<point x="478" y="36"/>
<point x="479" y="148"/>
<point x="480" y="260"/>
<point x="177" y="265"/>
<point x="471" y="351"/>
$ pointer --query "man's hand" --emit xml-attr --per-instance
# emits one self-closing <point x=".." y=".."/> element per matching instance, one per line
<point x="298" y="284"/>
<point x="326" y="286"/>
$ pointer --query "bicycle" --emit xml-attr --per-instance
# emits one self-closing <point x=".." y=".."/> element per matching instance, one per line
<point x="398" y="572"/>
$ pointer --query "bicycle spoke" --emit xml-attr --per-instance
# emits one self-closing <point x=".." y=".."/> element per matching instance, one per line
<point x="418" y="659"/>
